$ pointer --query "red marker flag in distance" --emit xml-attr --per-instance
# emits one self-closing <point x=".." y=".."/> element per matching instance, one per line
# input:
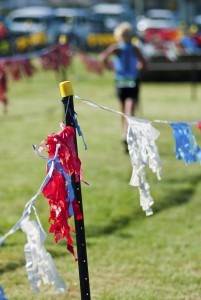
<point x="199" y="125"/>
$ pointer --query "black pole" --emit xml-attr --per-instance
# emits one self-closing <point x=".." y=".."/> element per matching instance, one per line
<point x="67" y="99"/>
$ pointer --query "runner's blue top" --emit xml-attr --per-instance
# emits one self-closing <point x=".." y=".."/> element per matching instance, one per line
<point x="125" y="64"/>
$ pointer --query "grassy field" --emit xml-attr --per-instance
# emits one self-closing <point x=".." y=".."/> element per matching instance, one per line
<point x="130" y="256"/>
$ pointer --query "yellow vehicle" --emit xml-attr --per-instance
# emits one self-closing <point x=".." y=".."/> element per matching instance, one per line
<point x="105" y="17"/>
<point x="32" y="27"/>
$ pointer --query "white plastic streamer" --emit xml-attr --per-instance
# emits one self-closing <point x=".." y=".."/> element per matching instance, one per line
<point x="143" y="151"/>
<point x="30" y="203"/>
<point x="39" y="263"/>
<point x="28" y="207"/>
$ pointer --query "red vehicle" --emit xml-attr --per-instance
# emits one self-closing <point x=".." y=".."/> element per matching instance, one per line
<point x="160" y="23"/>
<point x="197" y="35"/>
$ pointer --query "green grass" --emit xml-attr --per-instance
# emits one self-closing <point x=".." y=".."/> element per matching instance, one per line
<point x="130" y="256"/>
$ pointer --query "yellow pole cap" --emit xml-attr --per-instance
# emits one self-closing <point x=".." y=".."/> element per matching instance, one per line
<point x="66" y="89"/>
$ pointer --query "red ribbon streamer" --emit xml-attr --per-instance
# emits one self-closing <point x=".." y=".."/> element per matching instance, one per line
<point x="59" y="56"/>
<point x="91" y="64"/>
<point x="199" y="125"/>
<point x="56" y="189"/>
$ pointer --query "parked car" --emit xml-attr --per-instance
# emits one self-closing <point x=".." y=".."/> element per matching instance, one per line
<point x="106" y="17"/>
<point x="32" y="27"/>
<point x="197" y="24"/>
<point x="196" y="27"/>
<point x="74" y="24"/>
<point x="158" y="24"/>
<point x="113" y="14"/>
<point x="157" y="19"/>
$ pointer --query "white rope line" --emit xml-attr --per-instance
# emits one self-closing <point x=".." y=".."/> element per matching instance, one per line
<point x="89" y="102"/>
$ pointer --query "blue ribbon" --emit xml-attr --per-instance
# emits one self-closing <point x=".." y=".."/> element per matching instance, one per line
<point x="71" y="195"/>
<point x="79" y="131"/>
<point x="2" y="294"/>
<point x="69" y="187"/>
<point x="186" y="147"/>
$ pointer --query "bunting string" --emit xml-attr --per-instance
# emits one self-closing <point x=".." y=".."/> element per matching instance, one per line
<point x="143" y="151"/>
<point x="53" y="58"/>
<point x="28" y="207"/>
<point x="39" y="263"/>
<point x="91" y="103"/>
<point x="63" y="163"/>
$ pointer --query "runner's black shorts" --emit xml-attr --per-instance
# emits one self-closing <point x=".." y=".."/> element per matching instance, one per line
<point x="128" y="92"/>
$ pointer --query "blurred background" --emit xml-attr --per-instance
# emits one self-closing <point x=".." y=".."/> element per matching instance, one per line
<point x="130" y="256"/>
<point x="168" y="32"/>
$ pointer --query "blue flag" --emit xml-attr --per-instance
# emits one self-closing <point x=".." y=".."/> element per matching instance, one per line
<point x="2" y="295"/>
<point x="186" y="147"/>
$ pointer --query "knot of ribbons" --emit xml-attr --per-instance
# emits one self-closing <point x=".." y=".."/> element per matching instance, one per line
<point x="59" y="189"/>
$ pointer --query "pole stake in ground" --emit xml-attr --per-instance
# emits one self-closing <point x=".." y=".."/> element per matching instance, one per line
<point x="67" y="99"/>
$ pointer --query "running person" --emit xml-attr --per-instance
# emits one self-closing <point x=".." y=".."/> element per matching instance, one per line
<point x="127" y="63"/>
